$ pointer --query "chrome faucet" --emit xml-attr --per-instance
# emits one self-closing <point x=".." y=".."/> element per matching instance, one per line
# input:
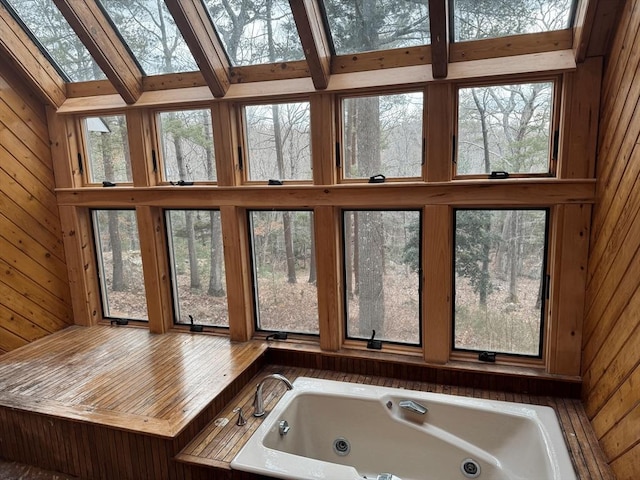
<point x="414" y="407"/>
<point x="258" y="401"/>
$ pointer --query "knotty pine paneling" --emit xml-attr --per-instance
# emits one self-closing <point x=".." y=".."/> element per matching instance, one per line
<point x="34" y="289"/>
<point x="611" y="342"/>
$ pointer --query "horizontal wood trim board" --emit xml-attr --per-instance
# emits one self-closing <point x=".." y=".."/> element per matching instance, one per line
<point x="517" y="193"/>
<point x="411" y="76"/>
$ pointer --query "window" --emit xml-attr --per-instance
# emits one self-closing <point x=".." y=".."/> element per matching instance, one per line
<point x="278" y="141"/>
<point x="108" y="157"/>
<point x="187" y="146"/>
<point x="500" y="272"/>
<point x="197" y="267"/>
<point x="256" y="32"/>
<point x="382" y="254"/>
<point x="476" y="19"/>
<point x="56" y="38"/>
<point x="284" y="271"/>
<point x="382" y="135"/>
<point x="119" y="264"/>
<point x="505" y="128"/>
<point x="362" y="26"/>
<point x="151" y="34"/>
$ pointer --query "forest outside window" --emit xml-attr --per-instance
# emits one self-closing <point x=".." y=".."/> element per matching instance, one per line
<point x="197" y="267"/>
<point x="364" y="26"/>
<point x="186" y="138"/>
<point x="382" y="135"/>
<point x="278" y="140"/>
<point x="151" y="34"/>
<point x="119" y="264"/>
<point x="505" y="128"/>
<point x="500" y="279"/>
<point x="107" y="149"/>
<point x="284" y="271"/>
<point x="382" y="258"/>
<point x="478" y="19"/>
<point x="255" y="32"/>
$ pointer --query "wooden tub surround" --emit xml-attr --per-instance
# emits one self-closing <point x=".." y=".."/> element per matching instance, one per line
<point x="122" y="403"/>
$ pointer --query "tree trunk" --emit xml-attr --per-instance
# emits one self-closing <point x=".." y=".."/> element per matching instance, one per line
<point x="313" y="278"/>
<point x="216" y="284"/>
<point x="370" y="232"/>
<point x="194" y="274"/>
<point x="118" y="282"/>
<point x="286" y="216"/>
<point x="513" y="258"/>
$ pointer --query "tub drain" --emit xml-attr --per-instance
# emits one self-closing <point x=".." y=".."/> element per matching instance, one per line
<point x="341" y="446"/>
<point x="470" y="468"/>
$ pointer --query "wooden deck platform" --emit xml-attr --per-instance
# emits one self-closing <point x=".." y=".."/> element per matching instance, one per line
<point x="120" y="403"/>
<point x="116" y="403"/>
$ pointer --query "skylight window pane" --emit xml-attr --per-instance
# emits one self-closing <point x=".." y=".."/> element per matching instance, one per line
<point x="45" y="22"/>
<point x="365" y="25"/>
<point x="152" y="35"/>
<point x="256" y="32"/>
<point x="476" y="19"/>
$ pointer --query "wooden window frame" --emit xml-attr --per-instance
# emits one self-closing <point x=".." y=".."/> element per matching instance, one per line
<point x="339" y="138"/>
<point x="554" y="125"/>
<point x="244" y="141"/>
<point x="158" y="151"/>
<point x="568" y="194"/>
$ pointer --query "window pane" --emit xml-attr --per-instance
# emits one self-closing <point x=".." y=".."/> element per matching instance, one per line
<point x="499" y="268"/>
<point x="382" y="135"/>
<point x="256" y="32"/>
<point x="120" y="264"/>
<point x="197" y="266"/>
<point x="187" y="145"/>
<point x="382" y="282"/>
<point x="361" y="26"/>
<point x="475" y="19"/>
<point x="504" y="127"/>
<point x="43" y="19"/>
<point x="278" y="141"/>
<point x="284" y="271"/>
<point x="107" y="149"/>
<point x="151" y="34"/>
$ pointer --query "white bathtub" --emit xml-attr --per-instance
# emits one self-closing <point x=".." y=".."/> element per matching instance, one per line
<point x="505" y="441"/>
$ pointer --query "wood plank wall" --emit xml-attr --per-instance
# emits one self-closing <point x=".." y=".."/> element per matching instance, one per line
<point x="611" y="341"/>
<point x="34" y="288"/>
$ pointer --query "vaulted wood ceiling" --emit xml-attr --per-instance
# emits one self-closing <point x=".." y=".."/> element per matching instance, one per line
<point x="593" y="27"/>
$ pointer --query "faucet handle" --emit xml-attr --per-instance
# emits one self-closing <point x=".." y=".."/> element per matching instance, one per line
<point x="241" y="420"/>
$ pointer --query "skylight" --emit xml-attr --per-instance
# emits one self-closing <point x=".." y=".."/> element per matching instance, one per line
<point x="363" y="25"/>
<point x="151" y="34"/>
<point x="476" y="19"/>
<point x="256" y="32"/>
<point x="57" y="39"/>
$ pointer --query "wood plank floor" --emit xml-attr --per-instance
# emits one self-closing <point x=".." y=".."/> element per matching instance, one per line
<point x="125" y="378"/>
<point x="219" y="442"/>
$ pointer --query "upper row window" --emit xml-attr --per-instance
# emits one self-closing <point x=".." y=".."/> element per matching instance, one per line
<point x="500" y="128"/>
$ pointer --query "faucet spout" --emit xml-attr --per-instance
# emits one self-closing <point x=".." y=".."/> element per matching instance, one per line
<point x="258" y="401"/>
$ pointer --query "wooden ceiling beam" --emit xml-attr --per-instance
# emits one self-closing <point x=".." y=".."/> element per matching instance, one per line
<point x="315" y="43"/>
<point x="97" y="34"/>
<point x="193" y="22"/>
<point x="439" y="27"/>
<point x="17" y="48"/>
<point x="594" y="27"/>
